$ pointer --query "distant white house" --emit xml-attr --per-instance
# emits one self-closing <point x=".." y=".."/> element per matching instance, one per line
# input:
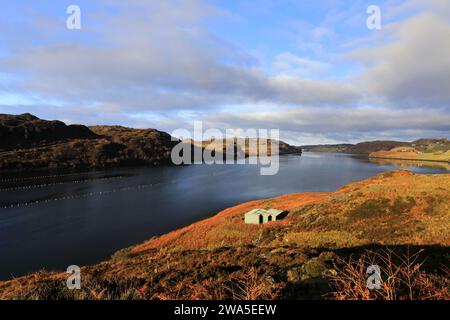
<point x="260" y="216"/>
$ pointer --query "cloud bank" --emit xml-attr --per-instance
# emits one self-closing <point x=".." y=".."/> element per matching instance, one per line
<point x="160" y="64"/>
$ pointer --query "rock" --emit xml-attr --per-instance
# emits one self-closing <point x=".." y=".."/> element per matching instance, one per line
<point x="327" y="256"/>
<point x="29" y="142"/>
<point x="314" y="268"/>
<point x="26" y="131"/>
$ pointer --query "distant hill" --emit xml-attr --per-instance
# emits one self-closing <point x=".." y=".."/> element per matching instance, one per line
<point x="431" y="145"/>
<point x="297" y="257"/>
<point x="423" y="150"/>
<point x="247" y="147"/>
<point x="335" y="148"/>
<point x="26" y="130"/>
<point x="365" y="148"/>
<point x="373" y="146"/>
<point x="29" y="142"/>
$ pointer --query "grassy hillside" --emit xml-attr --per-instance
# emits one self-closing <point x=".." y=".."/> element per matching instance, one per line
<point x="391" y="208"/>
<point x="431" y="145"/>
<point x="373" y="146"/>
<point x="305" y="255"/>
<point x="422" y="149"/>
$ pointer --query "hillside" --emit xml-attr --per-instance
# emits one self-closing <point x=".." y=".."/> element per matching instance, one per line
<point x="362" y="148"/>
<point x="422" y="150"/>
<point x="431" y="145"/>
<point x="294" y="258"/>
<point x="373" y="146"/>
<point x="339" y="219"/>
<point x="246" y="147"/>
<point x="26" y="131"/>
<point x="368" y="147"/>
<point x="29" y="142"/>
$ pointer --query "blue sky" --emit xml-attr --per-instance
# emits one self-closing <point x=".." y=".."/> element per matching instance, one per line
<point x="309" y="68"/>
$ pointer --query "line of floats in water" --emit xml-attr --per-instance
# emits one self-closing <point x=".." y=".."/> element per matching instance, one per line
<point x="67" y="197"/>
<point x="43" y="185"/>
<point x="83" y="195"/>
<point x="47" y="176"/>
<point x="78" y="196"/>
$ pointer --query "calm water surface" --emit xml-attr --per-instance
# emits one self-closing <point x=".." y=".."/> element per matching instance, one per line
<point x="79" y="218"/>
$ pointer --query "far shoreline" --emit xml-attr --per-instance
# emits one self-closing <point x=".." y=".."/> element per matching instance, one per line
<point x="409" y="159"/>
<point x="384" y="158"/>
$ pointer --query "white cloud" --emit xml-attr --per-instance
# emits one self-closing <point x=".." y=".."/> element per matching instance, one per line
<point x="157" y="63"/>
<point x="153" y="57"/>
<point x="313" y="92"/>
<point x="331" y="124"/>
<point x="290" y="64"/>
<point x="414" y="69"/>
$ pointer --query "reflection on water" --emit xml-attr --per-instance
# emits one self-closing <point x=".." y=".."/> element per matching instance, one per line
<point x="50" y="220"/>
<point x="412" y="163"/>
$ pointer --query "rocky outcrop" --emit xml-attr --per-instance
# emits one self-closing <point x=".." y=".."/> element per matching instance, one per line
<point x="26" y="130"/>
<point x="249" y="147"/>
<point x="29" y="142"/>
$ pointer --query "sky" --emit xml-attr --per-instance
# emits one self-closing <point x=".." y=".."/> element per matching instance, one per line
<point x="312" y="69"/>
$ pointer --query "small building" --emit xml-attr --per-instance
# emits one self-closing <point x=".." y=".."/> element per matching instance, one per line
<point x="260" y="216"/>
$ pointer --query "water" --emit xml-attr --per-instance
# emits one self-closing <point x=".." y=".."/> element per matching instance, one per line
<point x="55" y="221"/>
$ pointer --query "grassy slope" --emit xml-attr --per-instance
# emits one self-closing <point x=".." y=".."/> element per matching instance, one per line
<point x="431" y="149"/>
<point x="410" y="153"/>
<point x="217" y="257"/>
<point x="360" y="213"/>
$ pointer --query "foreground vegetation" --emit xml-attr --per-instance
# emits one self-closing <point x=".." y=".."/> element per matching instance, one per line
<point x="398" y="220"/>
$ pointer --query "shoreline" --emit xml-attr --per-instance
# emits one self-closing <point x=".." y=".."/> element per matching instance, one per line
<point x="385" y="158"/>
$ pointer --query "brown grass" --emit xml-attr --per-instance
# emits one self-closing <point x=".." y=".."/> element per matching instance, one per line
<point x="402" y="278"/>
<point x="251" y="286"/>
<point x="390" y="208"/>
<point x="227" y="227"/>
